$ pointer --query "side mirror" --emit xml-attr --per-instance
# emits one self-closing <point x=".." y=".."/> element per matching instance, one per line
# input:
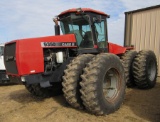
<point x="56" y="27"/>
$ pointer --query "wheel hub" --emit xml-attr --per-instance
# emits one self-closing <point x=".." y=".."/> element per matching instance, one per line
<point x="111" y="84"/>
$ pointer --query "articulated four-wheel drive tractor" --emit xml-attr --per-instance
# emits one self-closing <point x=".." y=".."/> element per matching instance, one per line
<point x="91" y="72"/>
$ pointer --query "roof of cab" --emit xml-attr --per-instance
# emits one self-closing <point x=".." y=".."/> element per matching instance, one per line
<point x="83" y="9"/>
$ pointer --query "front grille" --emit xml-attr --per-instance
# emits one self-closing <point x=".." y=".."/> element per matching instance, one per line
<point x="10" y="58"/>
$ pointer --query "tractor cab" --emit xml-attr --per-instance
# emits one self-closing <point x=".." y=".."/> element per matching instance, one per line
<point x="89" y="27"/>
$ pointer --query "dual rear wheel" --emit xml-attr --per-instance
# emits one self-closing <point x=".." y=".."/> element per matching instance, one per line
<point x="140" y="68"/>
<point x="145" y="69"/>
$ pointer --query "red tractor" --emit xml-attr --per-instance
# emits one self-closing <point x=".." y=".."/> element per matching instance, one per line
<point x="91" y="72"/>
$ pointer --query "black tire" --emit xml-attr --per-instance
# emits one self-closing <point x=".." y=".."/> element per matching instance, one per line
<point x="72" y="78"/>
<point x="145" y="69"/>
<point x="127" y="62"/>
<point x="102" y="68"/>
<point x="38" y="91"/>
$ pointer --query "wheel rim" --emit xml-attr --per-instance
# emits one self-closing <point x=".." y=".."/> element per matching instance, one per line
<point x="151" y="70"/>
<point x="111" y="85"/>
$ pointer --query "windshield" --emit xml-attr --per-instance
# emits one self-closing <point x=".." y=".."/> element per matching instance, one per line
<point x="78" y="25"/>
<point x="1" y="50"/>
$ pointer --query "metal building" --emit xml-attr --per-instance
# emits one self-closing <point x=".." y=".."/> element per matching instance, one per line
<point x="142" y="29"/>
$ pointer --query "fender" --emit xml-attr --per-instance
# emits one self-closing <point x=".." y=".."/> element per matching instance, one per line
<point x="117" y="49"/>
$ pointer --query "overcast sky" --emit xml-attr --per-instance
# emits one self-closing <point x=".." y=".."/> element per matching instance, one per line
<point x="33" y="18"/>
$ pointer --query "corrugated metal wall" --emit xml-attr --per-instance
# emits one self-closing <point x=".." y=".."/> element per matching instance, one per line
<point x="142" y="29"/>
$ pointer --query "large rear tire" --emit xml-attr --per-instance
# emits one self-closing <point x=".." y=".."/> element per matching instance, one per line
<point x="72" y="78"/>
<point x="127" y="62"/>
<point x="103" y="84"/>
<point x="145" y="69"/>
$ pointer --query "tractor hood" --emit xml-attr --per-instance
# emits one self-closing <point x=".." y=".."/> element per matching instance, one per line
<point x="21" y="56"/>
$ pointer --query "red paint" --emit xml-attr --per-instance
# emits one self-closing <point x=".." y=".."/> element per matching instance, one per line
<point x="95" y="46"/>
<point x="116" y="49"/>
<point x="83" y="9"/>
<point x="29" y="53"/>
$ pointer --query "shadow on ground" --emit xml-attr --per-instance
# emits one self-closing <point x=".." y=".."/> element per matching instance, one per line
<point x="23" y="96"/>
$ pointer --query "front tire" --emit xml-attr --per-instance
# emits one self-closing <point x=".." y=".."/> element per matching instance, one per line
<point x="103" y="84"/>
<point x="145" y="69"/>
<point x="72" y="78"/>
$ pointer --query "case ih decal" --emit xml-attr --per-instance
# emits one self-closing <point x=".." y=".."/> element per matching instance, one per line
<point x="58" y="44"/>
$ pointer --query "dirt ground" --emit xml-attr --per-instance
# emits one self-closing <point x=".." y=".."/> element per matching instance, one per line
<point x="18" y="105"/>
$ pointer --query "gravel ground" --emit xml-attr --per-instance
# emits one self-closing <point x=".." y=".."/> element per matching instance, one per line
<point x="18" y="105"/>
